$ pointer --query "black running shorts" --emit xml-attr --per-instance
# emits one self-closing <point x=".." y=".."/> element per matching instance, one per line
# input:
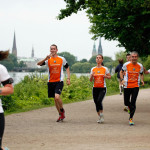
<point x="54" y="87"/>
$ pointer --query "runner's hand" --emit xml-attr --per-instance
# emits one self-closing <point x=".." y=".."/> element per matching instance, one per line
<point x="68" y="81"/>
<point x="48" y="57"/>
<point x="105" y="76"/>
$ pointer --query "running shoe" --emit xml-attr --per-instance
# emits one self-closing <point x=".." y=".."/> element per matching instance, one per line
<point x="59" y="119"/>
<point x="62" y="115"/>
<point x="131" y="122"/>
<point x="101" y="119"/>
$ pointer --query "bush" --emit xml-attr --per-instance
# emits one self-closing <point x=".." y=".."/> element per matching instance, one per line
<point x="31" y="93"/>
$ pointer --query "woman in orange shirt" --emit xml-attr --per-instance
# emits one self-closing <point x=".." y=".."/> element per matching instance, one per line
<point x="98" y="74"/>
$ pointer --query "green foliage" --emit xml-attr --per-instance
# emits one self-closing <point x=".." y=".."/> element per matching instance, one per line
<point x="31" y="93"/>
<point x="125" y="21"/>
<point x="82" y="67"/>
<point x="93" y="60"/>
<point x="120" y="55"/>
<point x="11" y="62"/>
<point x="147" y="63"/>
<point x="83" y="60"/>
<point x="21" y="64"/>
<point x="71" y="59"/>
<point x="80" y="89"/>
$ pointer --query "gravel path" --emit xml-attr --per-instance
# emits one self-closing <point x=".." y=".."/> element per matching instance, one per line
<point x="38" y="129"/>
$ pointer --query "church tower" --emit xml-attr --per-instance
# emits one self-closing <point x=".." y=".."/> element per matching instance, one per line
<point x="32" y="54"/>
<point x="94" y="50"/>
<point x="14" y="48"/>
<point x="100" y="51"/>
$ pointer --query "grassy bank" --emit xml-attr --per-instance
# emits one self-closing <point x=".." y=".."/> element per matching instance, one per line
<point x="31" y="93"/>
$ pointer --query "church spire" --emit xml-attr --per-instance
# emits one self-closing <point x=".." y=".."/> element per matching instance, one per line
<point x="14" y="48"/>
<point x="100" y="51"/>
<point x="94" y="50"/>
<point x="32" y="54"/>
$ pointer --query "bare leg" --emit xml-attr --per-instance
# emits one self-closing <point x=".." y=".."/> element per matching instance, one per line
<point x="58" y="101"/>
<point x="101" y="111"/>
<point x="57" y="106"/>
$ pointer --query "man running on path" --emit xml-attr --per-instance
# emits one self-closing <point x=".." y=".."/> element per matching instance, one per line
<point x="55" y="65"/>
<point x="131" y="81"/>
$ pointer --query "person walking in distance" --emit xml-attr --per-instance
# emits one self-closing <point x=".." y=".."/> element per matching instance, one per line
<point x="131" y="81"/>
<point x="98" y="74"/>
<point x="6" y="89"/>
<point x="117" y="70"/>
<point x="55" y="65"/>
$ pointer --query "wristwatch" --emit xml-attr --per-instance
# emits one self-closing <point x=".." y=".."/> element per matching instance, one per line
<point x="0" y="91"/>
<point x="121" y="79"/>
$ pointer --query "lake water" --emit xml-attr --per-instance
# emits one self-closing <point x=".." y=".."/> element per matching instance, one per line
<point x="18" y="76"/>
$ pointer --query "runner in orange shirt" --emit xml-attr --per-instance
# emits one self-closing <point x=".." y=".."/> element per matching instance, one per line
<point x="131" y="82"/>
<point x="98" y="74"/>
<point x="55" y="65"/>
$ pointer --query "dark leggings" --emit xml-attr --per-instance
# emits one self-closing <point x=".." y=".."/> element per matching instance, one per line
<point x="131" y="102"/>
<point x="2" y="124"/>
<point x="98" y="96"/>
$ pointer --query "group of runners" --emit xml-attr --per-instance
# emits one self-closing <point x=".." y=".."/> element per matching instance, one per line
<point x="131" y="73"/>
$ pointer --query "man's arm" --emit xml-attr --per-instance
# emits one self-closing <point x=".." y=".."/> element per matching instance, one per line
<point x="40" y="63"/>
<point x="68" y="75"/>
<point x="7" y="89"/>
<point x="108" y="76"/>
<point x="142" y="78"/>
<point x="121" y="77"/>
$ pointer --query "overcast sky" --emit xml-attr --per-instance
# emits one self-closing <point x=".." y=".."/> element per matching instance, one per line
<point x="35" y="24"/>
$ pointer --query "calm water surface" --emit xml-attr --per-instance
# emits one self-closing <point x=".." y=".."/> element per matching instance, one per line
<point x="18" y="76"/>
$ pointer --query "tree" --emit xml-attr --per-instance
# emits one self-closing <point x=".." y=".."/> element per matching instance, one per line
<point x="21" y="64"/>
<point x="93" y="60"/>
<point x="10" y="62"/>
<point x="71" y="59"/>
<point x="82" y="67"/>
<point x="122" y="20"/>
<point x="83" y="60"/>
<point x="147" y="63"/>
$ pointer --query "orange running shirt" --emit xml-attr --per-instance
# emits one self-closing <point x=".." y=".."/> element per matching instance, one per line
<point x="132" y="75"/>
<point x="55" y="68"/>
<point x="99" y="80"/>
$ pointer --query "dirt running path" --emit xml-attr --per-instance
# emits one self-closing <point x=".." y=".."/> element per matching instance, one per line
<point x="38" y="129"/>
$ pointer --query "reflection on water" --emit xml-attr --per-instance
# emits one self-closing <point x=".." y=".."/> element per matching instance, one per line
<point x="18" y="76"/>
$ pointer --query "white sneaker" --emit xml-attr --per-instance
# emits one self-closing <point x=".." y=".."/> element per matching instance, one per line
<point x="101" y="119"/>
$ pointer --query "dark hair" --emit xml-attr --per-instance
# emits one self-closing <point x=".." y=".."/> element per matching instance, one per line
<point x="4" y="54"/>
<point x="54" y="45"/>
<point x="100" y="55"/>
<point x="128" y="55"/>
<point x="120" y="61"/>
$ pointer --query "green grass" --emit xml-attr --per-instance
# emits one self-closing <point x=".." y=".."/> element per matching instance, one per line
<point x="31" y="93"/>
